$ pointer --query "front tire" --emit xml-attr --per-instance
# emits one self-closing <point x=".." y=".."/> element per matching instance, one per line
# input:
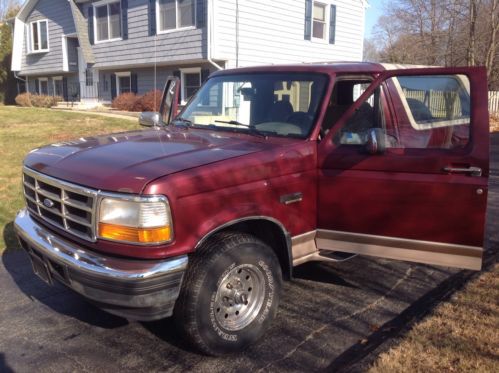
<point x="230" y="293"/>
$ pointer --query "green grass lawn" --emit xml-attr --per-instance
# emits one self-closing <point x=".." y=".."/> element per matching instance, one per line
<point x="22" y="129"/>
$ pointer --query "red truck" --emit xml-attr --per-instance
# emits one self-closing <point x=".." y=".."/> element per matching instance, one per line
<point x="203" y="215"/>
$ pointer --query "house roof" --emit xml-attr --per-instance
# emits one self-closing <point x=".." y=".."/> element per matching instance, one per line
<point x="81" y="27"/>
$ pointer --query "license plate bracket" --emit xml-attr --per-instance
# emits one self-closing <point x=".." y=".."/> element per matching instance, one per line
<point x="41" y="269"/>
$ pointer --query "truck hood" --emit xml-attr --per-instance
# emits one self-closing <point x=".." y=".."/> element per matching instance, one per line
<point x="126" y="162"/>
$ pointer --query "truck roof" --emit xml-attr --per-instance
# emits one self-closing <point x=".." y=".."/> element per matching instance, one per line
<point x="324" y="67"/>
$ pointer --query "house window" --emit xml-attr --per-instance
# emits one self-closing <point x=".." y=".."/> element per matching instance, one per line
<point x="175" y="14"/>
<point x="58" y="89"/>
<point x="43" y="86"/>
<point x="39" y="36"/>
<point x="107" y="21"/>
<point x="319" y="25"/>
<point x="191" y="81"/>
<point x="123" y="83"/>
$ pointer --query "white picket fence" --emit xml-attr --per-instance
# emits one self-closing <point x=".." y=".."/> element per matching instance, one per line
<point x="493" y="101"/>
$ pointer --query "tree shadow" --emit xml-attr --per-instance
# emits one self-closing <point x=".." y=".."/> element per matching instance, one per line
<point x="4" y="367"/>
<point x="319" y="272"/>
<point x="9" y="237"/>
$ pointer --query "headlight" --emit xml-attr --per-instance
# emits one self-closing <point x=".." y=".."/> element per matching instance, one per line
<point x="139" y="220"/>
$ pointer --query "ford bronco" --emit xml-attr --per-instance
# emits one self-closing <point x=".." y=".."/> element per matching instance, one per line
<point x="205" y="213"/>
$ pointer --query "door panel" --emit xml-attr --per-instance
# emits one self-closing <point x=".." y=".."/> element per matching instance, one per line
<point x="408" y="192"/>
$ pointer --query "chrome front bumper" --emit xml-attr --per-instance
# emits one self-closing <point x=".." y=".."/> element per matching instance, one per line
<point x="136" y="289"/>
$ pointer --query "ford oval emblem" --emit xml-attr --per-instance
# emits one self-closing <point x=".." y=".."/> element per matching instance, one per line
<point x="48" y="203"/>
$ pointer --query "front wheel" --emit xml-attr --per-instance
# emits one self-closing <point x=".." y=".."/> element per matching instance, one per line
<point x="230" y="293"/>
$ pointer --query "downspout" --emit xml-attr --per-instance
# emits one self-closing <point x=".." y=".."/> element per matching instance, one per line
<point x="18" y="77"/>
<point x="209" y="41"/>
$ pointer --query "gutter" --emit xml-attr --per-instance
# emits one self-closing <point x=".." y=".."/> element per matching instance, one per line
<point x="18" y="77"/>
<point x="209" y="41"/>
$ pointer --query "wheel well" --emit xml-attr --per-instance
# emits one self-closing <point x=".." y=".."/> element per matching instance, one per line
<point x="273" y="235"/>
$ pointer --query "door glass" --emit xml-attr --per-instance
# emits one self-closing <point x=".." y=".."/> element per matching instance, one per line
<point x="367" y="116"/>
<point x="44" y="87"/>
<point x="58" y="87"/>
<point x="433" y="110"/>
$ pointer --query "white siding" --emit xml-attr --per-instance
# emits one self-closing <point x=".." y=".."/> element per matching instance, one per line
<point x="272" y="32"/>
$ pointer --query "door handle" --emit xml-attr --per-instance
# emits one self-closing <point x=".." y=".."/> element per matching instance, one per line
<point x="473" y="171"/>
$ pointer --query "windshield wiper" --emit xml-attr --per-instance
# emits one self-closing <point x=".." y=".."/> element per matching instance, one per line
<point x="234" y="122"/>
<point x="252" y="128"/>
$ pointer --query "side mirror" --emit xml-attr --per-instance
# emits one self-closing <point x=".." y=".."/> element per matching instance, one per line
<point x="376" y="141"/>
<point x="150" y="119"/>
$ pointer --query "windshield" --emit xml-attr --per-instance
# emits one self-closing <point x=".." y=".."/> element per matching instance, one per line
<point x="280" y="104"/>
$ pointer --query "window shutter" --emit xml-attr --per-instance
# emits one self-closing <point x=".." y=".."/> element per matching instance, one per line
<point x="200" y="13"/>
<point x="124" y="18"/>
<point x="37" y="87"/>
<point x="308" y="19"/>
<point x="134" y="83"/>
<point x="65" y="89"/>
<point x="113" y="86"/>
<point x="205" y="73"/>
<point x="152" y="17"/>
<point x="332" y="24"/>
<point x="91" y="24"/>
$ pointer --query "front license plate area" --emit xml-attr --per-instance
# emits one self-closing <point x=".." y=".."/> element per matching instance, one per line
<point x="41" y="269"/>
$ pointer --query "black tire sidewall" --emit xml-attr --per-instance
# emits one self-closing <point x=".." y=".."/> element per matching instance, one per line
<point x="219" y="339"/>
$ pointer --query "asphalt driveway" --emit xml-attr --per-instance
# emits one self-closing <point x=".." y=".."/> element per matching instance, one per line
<point x="331" y="316"/>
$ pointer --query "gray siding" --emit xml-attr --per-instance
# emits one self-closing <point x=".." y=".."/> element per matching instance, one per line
<point x="60" y="22"/>
<point x="145" y="79"/>
<point x="140" y="47"/>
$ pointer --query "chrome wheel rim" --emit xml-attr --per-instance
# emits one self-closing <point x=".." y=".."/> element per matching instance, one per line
<point x="239" y="297"/>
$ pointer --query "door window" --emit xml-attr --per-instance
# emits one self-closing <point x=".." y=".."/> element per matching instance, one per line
<point x="58" y="88"/>
<point x="433" y="111"/>
<point x="43" y="88"/>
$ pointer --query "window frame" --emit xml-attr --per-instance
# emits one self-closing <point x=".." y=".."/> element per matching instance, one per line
<point x="31" y="49"/>
<point x="122" y="74"/>
<point x="101" y="4"/>
<point x="327" y="12"/>
<point x="158" y="20"/>
<point x="183" y="72"/>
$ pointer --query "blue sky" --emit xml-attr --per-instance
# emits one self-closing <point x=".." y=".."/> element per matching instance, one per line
<point x="372" y="14"/>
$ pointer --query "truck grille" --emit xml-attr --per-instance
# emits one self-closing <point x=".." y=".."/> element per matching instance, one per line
<point x="67" y="206"/>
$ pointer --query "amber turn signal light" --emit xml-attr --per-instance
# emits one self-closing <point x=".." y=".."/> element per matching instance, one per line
<point x="135" y="235"/>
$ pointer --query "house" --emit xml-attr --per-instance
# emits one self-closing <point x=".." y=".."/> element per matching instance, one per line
<point x="92" y="51"/>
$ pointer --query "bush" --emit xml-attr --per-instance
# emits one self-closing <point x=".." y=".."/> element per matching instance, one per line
<point x="125" y="101"/>
<point x="29" y="100"/>
<point x="149" y="101"/>
<point x="23" y="99"/>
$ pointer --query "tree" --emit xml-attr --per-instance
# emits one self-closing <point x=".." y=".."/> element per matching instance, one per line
<point x="441" y="32"/>
<point x="8" y="9"/>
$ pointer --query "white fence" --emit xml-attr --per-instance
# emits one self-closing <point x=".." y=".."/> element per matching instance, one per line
<point x="493" y="101"/>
